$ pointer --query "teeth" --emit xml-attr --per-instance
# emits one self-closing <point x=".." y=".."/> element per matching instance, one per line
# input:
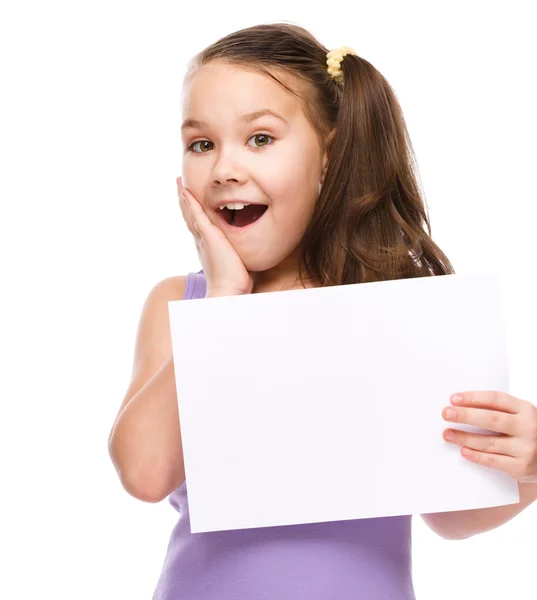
<point x="234" y="206"/>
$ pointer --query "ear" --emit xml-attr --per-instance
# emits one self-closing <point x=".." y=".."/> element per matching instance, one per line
<point x="326" y="154"/>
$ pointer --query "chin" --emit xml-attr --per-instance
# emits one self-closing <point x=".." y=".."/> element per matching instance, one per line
<point x="258" y="264"/>
<point x="263" y="260"/>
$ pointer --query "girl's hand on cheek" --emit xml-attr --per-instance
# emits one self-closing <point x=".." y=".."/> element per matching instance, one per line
<point x="515" y="451"/>
<point x="224" y="271"/>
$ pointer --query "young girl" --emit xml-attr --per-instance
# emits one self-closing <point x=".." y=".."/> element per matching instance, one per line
<point x="300" y="173"/>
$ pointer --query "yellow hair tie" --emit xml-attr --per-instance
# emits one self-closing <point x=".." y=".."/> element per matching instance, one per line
<point x="334" y="62"/>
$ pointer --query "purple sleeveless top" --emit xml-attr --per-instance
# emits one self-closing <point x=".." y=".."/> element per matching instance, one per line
<point x="360" y="559"/>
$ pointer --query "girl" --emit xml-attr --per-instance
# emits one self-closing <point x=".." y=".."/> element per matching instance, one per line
<point x="300" y="173"/>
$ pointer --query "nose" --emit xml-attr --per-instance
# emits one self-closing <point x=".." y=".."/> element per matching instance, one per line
<point x="227" y="169"/>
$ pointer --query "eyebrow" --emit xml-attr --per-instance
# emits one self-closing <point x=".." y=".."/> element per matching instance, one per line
<point x="247" y="118"/>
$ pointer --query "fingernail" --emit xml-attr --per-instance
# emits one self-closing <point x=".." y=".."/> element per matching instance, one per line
<point x="450" y="413"/>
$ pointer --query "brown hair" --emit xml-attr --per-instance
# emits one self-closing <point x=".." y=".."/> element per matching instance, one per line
<point x="368" y="221"/>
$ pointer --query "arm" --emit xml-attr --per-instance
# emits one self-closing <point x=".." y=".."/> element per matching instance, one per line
<point x="462" y="524"/>
<point x="145" y="442"/>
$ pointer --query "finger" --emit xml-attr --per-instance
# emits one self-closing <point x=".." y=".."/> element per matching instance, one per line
<point x="501" y="462"/>
<point x="492" y="444"/>
<point x="486" y="419"/>
<point x="185" y="210"/>
<point x="187" y="216"/>
<point x="499" y="401"/>
<point x="179" y="187"/>
<point x="200" y="220"/>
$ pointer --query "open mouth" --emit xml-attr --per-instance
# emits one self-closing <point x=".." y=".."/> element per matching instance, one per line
<point x="243" y="217"/>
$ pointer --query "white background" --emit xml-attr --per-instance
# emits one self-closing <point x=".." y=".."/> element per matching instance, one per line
<point x="90" y="149"/>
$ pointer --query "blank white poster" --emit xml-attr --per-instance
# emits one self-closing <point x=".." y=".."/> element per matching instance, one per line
<point x="325" y="404"/>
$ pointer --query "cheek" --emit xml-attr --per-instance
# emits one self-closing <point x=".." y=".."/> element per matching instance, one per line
<point x="299" y="190"/>
<point x="193" y="177"/>
<point x="288" y="177"/>
<point x="303" y="174"/>
<point x="188" y="170"/>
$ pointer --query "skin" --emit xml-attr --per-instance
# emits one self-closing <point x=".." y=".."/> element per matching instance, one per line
<point x="283" y="169"/>
<point x="514" y="450"/>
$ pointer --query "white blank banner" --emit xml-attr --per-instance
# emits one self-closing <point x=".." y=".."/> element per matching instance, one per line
<point x="325" y="404"/>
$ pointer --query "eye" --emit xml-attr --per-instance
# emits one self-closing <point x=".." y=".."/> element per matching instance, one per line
<point x="200" y="142"/>
<point x="262" y="135"/>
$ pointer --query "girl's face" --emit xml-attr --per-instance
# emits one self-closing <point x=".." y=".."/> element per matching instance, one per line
<point x="268" y="160"/>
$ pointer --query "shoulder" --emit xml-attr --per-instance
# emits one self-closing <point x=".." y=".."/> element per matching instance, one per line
<point x="179" y="287"/>
<point x="170" y="288"/>
<point x="153" y="342"/>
